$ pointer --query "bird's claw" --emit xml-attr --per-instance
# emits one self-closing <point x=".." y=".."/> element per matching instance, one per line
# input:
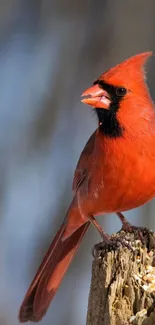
<point x="113" y="243"/>
<point x="139" y="232"/>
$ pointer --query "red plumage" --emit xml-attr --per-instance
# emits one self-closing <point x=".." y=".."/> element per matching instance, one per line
<point x="116" y="171"/>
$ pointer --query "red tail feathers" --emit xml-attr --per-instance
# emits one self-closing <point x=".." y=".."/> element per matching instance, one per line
<point x="50" y="274"/>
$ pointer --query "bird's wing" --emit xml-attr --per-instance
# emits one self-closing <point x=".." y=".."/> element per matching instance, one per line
<point x="83" y="165"/>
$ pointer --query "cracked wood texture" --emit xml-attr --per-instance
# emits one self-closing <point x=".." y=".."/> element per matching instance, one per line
<point x="123" y="284"/>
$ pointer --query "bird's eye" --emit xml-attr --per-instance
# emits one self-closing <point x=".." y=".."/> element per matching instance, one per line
<point x="120" y="91"/>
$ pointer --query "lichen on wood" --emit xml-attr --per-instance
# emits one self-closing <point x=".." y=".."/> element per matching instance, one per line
<point x="123" y="283"/>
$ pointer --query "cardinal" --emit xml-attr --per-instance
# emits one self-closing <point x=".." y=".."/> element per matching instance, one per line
<point x="115" y="173"/>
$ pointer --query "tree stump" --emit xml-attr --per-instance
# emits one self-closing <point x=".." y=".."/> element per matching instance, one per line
<point x="123" y="284"/>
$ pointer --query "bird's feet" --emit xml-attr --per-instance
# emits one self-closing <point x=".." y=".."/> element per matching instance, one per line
<point x="111" y="243"/>
<point x="140" y="233"/>
<point x="120" y="239"/>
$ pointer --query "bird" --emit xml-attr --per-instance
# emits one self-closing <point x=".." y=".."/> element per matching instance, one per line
<point x="115" y="173"/>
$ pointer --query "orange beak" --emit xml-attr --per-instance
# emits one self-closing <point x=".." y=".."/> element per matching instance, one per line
<point x="98" y="98"/>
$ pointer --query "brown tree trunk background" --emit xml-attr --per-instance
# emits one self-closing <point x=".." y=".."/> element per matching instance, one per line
<point x="123" y="285"/>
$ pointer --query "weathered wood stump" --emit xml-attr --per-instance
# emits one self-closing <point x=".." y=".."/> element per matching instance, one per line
<point x="123" y="284"/>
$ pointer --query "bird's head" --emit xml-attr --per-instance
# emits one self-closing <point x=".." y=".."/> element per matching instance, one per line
<point x="119" y="92"/>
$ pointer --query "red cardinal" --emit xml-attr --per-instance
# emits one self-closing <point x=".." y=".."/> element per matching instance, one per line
<point x="116" y="172"/>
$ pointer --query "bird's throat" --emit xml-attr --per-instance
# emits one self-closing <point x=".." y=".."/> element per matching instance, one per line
<point x="108" y="123"/>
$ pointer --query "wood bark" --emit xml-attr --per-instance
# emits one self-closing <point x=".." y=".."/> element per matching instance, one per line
<point x="123" y="283"/>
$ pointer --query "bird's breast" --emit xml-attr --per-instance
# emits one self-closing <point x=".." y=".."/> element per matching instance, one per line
<point x="122" y="175"/>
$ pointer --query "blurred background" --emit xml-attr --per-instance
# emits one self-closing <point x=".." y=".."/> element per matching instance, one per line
<point x="50" y="51"/>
